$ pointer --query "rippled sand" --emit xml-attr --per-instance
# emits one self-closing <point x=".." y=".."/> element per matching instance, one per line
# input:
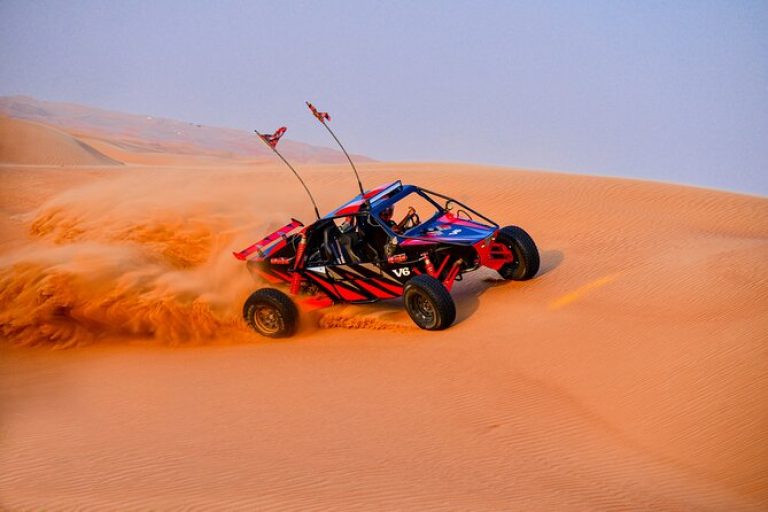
<point x="631" y="374"/>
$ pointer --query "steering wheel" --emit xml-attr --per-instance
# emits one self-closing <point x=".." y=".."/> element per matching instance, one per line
<point x="411" y="220"/>
<point x="459" y="212"/>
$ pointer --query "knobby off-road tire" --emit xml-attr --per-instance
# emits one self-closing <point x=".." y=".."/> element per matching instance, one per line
<point x="271" y="313"/>
<point x="526" y="262"/>
<point x="428" y="303"/>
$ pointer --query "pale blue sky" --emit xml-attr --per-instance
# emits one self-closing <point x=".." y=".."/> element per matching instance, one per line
<point x="672" y="91"/>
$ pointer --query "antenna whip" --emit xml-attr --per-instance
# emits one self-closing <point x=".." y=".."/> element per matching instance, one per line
<point x="323" y="117"/>
<point x="271" y="141"/>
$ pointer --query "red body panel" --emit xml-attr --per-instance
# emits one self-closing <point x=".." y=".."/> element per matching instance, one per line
<point x="263" y="247"/>
<point x="493" y="254"/>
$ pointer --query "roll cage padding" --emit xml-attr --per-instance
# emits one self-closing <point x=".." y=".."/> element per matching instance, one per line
<point x="325" y="247"/>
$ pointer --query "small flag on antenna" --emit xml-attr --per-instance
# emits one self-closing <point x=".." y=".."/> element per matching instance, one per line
<point x="273" y="139"/>
<point x="321" y="116"/>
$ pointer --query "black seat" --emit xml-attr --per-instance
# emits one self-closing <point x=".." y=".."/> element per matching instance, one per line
<point x="338" y="247"/>
<point x="375" y="238"/>
<point x="330" y="250"/>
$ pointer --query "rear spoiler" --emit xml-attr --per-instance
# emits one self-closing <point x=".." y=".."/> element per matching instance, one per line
<point x="258" y="247"/>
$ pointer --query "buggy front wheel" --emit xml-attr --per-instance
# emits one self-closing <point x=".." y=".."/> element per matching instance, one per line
<point x="526" y="262"/>
<point x="429" y="304"/>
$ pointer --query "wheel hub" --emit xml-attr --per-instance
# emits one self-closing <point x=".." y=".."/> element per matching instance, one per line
<point x="268" y="319"/>
<point x="423" y="308"/>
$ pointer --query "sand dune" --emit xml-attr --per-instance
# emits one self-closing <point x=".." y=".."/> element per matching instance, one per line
<point x="631" y="374"/>
<point x="24" y="142"/>
<point x="147" y="139"/>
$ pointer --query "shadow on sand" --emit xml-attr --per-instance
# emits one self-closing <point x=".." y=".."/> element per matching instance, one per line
<point x="467" y="293"/>
<point x="550" y="260"/>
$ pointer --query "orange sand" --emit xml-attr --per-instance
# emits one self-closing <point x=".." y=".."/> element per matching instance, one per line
<point x="631" y="374"/>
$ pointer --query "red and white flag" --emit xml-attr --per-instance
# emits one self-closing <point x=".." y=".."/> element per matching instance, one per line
<point x="273" y="139"/>
<point x="321" y="116"/>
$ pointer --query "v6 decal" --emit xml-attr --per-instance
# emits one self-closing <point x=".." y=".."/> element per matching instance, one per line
<point x="400" y="272"/>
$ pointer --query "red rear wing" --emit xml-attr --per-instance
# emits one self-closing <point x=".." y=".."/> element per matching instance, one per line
<point x="261" y="246"/>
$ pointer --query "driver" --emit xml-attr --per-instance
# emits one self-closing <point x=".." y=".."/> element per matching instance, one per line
<point x="386" y="216"/>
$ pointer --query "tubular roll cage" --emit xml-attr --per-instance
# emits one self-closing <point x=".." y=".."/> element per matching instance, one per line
<point x="425" y="193"/>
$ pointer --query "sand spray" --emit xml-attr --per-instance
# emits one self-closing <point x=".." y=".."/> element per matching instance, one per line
<point x="145" y="255"/>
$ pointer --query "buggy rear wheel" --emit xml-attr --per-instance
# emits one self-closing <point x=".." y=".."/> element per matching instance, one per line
<point x="271" y="313"/>
<point x="429" y="304"/>
<point x="526" y="262"/>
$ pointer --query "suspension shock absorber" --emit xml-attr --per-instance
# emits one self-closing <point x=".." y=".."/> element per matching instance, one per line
<point x="296" y="281"/>
<point x="453" y="273"/>
<point x="428" y="264"/>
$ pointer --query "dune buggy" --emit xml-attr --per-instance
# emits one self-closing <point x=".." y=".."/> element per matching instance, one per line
<point x="355" y="254"/>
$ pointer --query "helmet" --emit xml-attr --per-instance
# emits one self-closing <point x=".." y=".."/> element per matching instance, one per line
<point x="387" y="213"/>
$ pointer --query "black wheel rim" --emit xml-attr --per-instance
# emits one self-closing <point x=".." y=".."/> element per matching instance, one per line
<point x="421" y="309"/>
<point x="267" y="319"/>
<point x="517" y="267"/>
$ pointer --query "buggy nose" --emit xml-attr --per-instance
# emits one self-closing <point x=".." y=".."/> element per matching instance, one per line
<point x="451" y="229"/>
<point x="493" y="254"/>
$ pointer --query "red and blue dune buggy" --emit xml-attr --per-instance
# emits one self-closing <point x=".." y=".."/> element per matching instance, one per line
<point x="359" y="254"/>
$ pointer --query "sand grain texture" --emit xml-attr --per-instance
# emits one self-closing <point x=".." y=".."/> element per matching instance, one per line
<point x="631" y="374"/>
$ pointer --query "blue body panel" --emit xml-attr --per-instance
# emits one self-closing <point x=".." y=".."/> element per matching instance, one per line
<point x="447" y="228"/>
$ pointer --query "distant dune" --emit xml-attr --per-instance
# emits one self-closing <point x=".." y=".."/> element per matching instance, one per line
<point x="142" y="138"/>
<point x="24" y="142"/>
